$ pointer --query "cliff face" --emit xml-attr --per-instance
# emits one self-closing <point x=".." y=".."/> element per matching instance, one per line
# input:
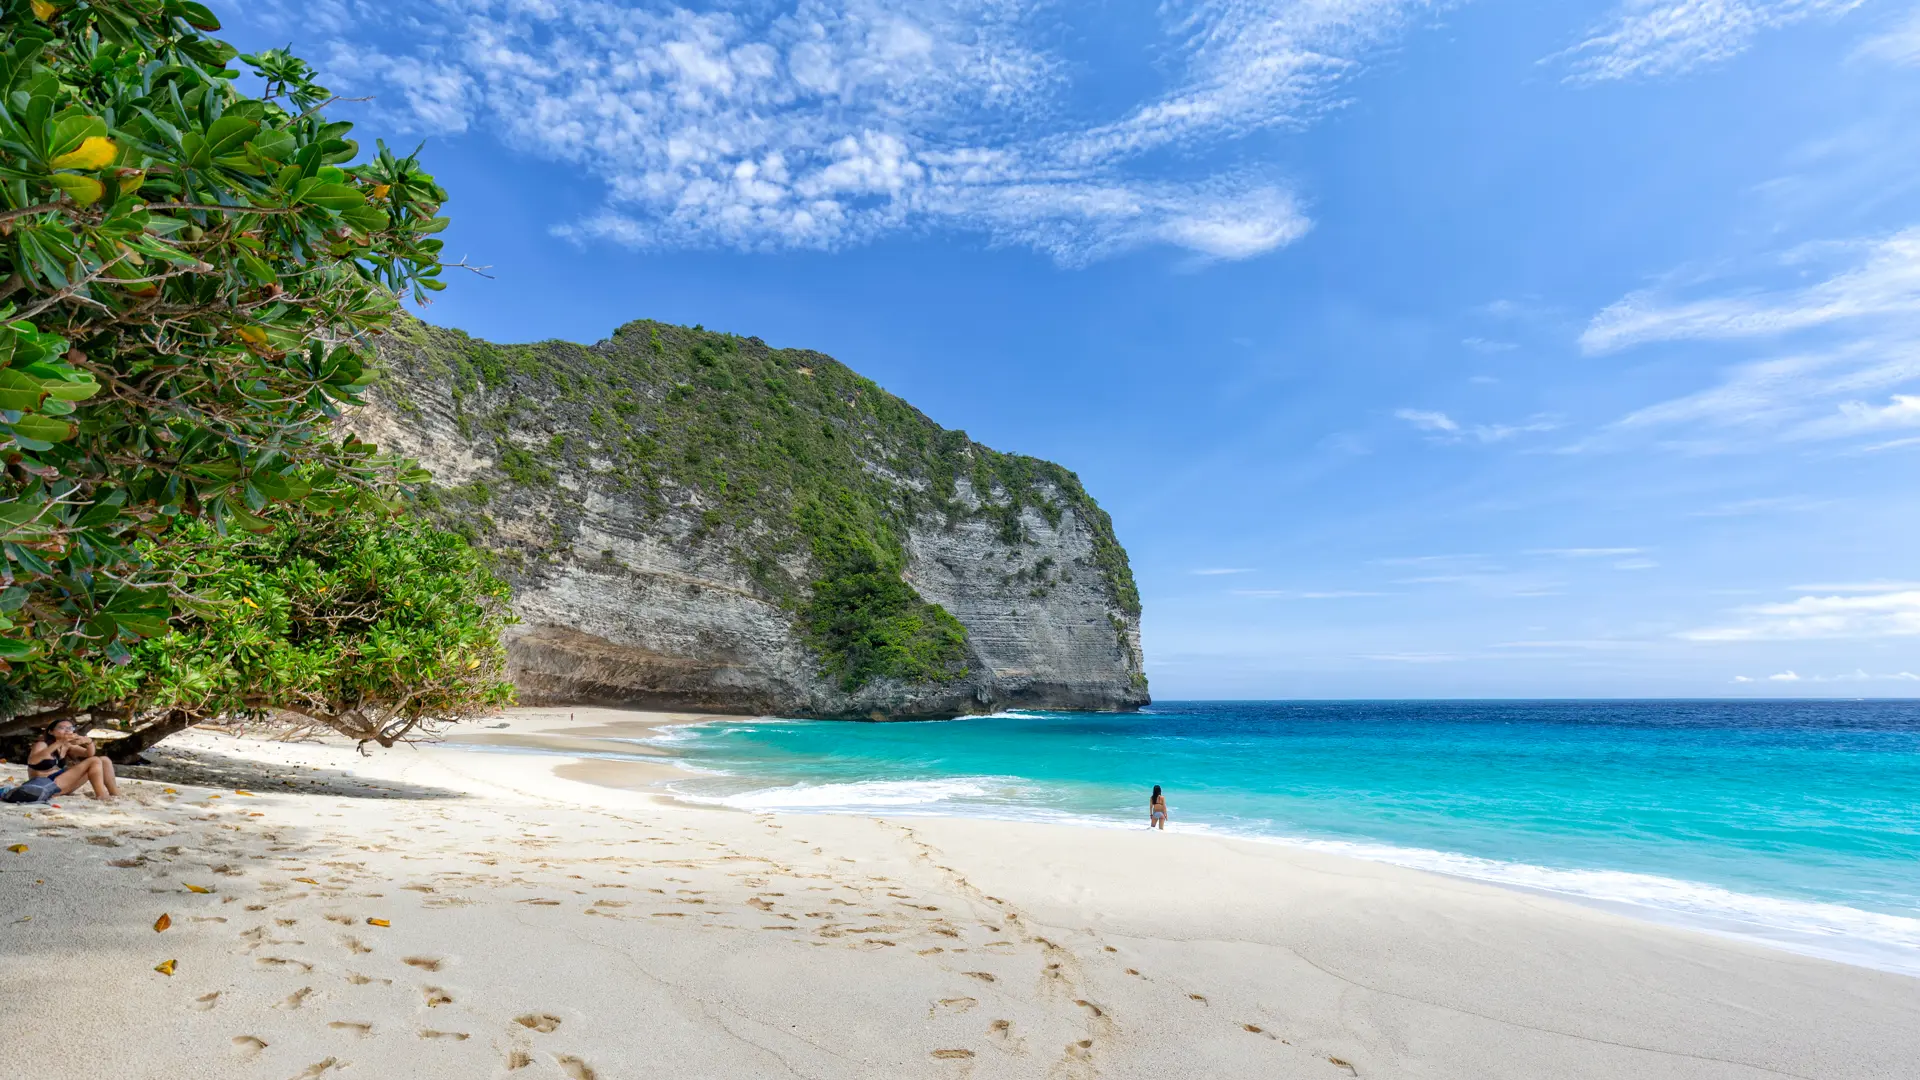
<point x="693" y="520"/>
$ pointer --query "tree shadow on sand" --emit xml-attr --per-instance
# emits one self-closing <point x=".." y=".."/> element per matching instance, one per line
<point x="198" y="768"/>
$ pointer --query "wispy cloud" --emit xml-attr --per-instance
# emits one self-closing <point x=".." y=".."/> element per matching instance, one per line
<point x="1884" y="280"/>
<point x="1652" y="38"/>
<point x="1762" y="505"/>
<point x="1864" y="616"/>
<point x="1488" y="346"/>
<point x="1857" y="587"/>
<point x="1299" y="594"/>
<point x="1898" y="44"/>
<point x="1445" y="429"/>
<point x="810" y="124"/>
<point x="1857" y="328"/>
<point x="1855" y="676"/>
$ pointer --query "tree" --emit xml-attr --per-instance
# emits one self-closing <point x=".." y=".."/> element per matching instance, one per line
<point x="188" y="279"/>
<point x="364" y="622"/>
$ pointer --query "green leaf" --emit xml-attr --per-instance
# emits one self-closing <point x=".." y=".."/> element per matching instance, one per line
<point x="70" y="131"/>
<point x="84" y="190"/>
<point x="19" y="391"/>
<point x="42" y="428"/>
<point x="196" y="15"/>
<point x="334" y="197"/>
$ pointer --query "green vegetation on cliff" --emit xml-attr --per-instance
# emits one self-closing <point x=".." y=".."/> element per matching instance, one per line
<point x="782" y="455"/>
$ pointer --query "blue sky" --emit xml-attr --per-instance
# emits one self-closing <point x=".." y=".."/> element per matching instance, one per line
<point x="1418" y="349"/>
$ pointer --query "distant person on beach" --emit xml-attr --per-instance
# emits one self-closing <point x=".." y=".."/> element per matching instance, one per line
<point x="1157" y="810"/>
<point x="66" y="757"/>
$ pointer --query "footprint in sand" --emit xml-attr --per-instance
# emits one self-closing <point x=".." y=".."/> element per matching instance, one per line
<point x="282" y="962"/>
<point x="456" y="1036"/>
<point x="246" y="1047"/>
<point x="424" y="963"/>
<point x="362" y="1030"/>
<point x="354" y="945"/>
<point x="206" y="1002"/>
<point x="955" y="1004"/>
<point x="519" y="1059"/>
<point x="1340" y="1063"/>
<point x="436" y="997"/>
<point x="983" y="976"/>
<point x="575" y="1068"/>
<point x="953" y="1055"/>
<point x="296" y="999"/>
<point x="313" y="1071"/>
<point x="544" y="1023"/>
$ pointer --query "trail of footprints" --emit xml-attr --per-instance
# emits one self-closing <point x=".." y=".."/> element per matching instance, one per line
<point x="820" y="908"/>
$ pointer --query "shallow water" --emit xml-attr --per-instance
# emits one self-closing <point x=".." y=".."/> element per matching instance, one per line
<point x="1795" y="823"/>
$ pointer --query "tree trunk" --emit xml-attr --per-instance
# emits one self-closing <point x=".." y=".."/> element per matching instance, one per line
<point x="123" y="751"/>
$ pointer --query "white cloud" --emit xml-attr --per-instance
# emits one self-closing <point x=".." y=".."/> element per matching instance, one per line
<point x="1899" y="44"/>
<point x="1884" y="281"/>
<point x="1861" y="311"/>
<point x="1858" y="586"/>
<point x="1855" y="676"/>
<point x="1425" y="420"/>
<point x="1486" y="345"/>
<point x="1652" y="38"/>
<point x="817" y="124"/>
<point x="1864" y="616"/>
<point x="1446" y="429"/>
<point x="1295" y="594"/>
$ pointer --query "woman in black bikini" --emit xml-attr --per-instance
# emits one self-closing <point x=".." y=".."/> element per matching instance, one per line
<point x="48" y="758"/>
<point x="1157" y="810"/>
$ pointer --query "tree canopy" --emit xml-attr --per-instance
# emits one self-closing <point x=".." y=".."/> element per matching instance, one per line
<point x="193" y="258"/>
<point x="363" y="622"/>
<point x="188" y="275"/>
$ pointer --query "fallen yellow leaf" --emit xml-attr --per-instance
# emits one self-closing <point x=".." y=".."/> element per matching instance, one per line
<point x="165" y="968"/>
<point x="248" y="794"/>
<point x="170" y="791"/>
<point x="95" y="151"/>
<point x="18" y="849"/>
<point x="43" y="10"/>
<point x="213" y="796"/>
<point x="306" y="881"/>
<point x="162" y="923"/>
<point x="197" y="888"/>
<point x="378" y="922"/>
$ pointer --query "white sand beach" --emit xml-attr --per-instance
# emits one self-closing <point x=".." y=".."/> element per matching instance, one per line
<point x="437" y="912"/>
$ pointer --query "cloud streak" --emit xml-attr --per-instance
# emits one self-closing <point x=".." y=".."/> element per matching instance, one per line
<point x="1655" y="38"/>
<point x="1860" y="616"/>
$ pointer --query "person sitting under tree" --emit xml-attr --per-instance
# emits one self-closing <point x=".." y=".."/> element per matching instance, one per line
<point x="67" y="757"/>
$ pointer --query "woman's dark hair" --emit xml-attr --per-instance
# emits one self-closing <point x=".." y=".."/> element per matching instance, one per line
<point x="1156" y="791"/>
<point x="47" y="732"/>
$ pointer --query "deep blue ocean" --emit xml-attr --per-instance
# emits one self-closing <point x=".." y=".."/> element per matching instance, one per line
<point x="1794" y="823"/>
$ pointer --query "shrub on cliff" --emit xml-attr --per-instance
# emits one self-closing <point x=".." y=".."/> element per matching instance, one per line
<point x="362" y="622"/>
<point x="188" y="276"/>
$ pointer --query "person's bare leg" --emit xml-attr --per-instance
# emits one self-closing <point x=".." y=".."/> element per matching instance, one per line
<point x="87" y="771"/>
<point x="107" y="774"/>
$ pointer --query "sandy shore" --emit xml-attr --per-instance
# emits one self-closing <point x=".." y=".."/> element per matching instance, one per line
<point x="545" y="915"/>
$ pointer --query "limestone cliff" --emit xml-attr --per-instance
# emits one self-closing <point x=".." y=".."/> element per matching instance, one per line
<point x="694" y="520"/>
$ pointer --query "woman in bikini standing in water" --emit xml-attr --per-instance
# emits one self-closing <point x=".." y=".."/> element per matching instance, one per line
<point x="1157" y="810"/>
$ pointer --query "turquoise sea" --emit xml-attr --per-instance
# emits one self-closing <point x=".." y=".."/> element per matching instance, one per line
<point x="1795" y="823"/>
